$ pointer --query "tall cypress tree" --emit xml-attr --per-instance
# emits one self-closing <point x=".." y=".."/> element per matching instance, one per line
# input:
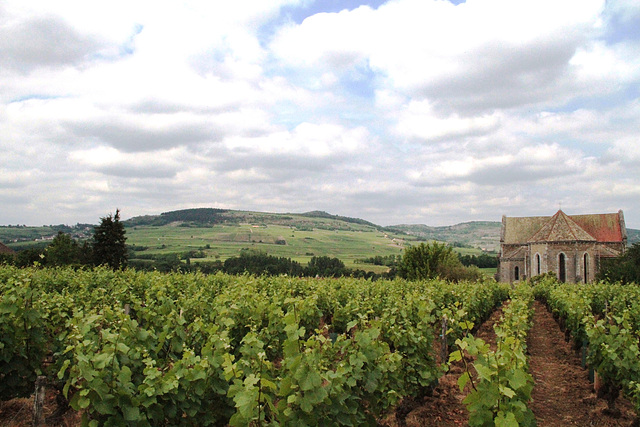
<point x="109" y="242"/>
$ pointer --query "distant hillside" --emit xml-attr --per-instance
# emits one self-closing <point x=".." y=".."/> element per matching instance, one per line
<point x="20" y="237"/>
<point x="322" y="214"/>
<point x="477" y="234"/>
<point x="200" y="217"/>
<point x="214" y="235"/>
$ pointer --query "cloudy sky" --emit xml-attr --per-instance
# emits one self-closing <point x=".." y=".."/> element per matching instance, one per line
<point x="402" y="111"/>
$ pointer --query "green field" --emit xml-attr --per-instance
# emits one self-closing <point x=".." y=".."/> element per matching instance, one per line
<point x="206" y="234"/>
<point x="220" y="242"/>
<point x="489" y="271"/>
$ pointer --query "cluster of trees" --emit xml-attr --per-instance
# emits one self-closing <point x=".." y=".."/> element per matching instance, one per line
<point x="481" y="261"/>
<point x="254" y="262"/>
<point x="430" y="260"/>
<point x="388" y="261"/>
<point x="107" y="247"/>
<point x="624" y="269"/>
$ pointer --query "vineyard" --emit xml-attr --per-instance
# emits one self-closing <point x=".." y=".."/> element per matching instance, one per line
<point x="135" y="348"/>
<point x="603" y="322"/>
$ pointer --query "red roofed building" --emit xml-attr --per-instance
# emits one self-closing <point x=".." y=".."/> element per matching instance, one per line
<point x="571" y="246"/>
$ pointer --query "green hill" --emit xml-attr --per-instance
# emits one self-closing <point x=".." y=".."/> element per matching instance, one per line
<point x="216" y="234"/>
<point x="209" y="216"/>
<point x="483" y="235"/>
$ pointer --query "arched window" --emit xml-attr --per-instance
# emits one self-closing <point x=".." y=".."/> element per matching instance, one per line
<point x="537" y="264"/>
<point x="516" y="273"/>
<point x="562" y="268"/>
<point x="585" y="267"/>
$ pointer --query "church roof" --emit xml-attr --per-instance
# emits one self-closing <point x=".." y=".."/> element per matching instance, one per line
<point x="562" y="227"/>
<point x="519" y="252"/>
<point x="5" y="249"/>
<point x="604" y="227"/>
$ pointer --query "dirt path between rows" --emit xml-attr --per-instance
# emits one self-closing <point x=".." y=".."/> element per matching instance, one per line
<point x="445" y="408"/>
<point x="563" y="394"/>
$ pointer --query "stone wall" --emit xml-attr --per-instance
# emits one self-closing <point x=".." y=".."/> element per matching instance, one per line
<point x="577" y="269"/>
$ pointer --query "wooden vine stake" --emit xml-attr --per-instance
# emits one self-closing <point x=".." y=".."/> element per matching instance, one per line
<point x="444" y="348"/>
<point x="597" y="381"/>
<point x="38" y="401"/>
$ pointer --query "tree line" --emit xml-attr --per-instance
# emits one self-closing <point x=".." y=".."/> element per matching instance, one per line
<point x="107" y="247"/>
<point x="483" y="260"/>
<point x="254" y="262"/>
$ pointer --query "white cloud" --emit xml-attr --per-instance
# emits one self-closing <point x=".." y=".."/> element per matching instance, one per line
<point x="110" y="161"/>
<point x="306" y="140"/>
<point x="412" y="111"/>
<point x="475" y="55"/>
<point x="419" y="120"/>
<point x="537" y="163"/>
<point x="10" y="179"/>
<point x="602" y="68"/>
<point x="626" y="151"/>
<point x="327" y="39"/>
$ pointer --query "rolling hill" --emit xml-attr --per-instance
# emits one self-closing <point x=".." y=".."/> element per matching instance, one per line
<point x="483" y="235"/>
<point x="211" y="216"/>
<point x="215" y="234"/>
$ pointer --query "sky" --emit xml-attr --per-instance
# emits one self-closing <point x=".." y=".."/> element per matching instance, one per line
<point x="428" y="112"/>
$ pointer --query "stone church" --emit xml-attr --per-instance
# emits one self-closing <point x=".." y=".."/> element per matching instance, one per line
<point x="571" y="246"/>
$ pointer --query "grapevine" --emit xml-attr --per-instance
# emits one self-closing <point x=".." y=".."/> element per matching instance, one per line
<point x="146" y="348"/>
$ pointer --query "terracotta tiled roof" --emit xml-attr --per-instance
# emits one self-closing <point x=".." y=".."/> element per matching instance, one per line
<point x="562" y="227"/>
<point x="6" y="250"/>
<point x="604" y="227"/>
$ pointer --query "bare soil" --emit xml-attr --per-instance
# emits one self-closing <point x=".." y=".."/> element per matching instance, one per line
<point x="18" y="413"/>
<point x="563" y="394"/>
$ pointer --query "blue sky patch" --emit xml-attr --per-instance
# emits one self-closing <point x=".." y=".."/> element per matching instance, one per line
<point x="36" y="96"/>
<point x="299" y="14"/>
<point x="127" y="48"/>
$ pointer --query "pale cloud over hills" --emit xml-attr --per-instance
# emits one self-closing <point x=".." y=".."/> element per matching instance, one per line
<point x="405" y="111"/>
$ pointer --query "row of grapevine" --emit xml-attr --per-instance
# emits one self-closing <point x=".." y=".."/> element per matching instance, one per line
<point x="605" y="319"/>
<point x="183" y="349"/>
<point x="503" y="385"/>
